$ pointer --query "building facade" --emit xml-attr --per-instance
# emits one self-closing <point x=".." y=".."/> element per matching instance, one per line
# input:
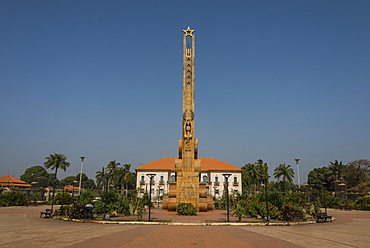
<point x="211" y="174"/>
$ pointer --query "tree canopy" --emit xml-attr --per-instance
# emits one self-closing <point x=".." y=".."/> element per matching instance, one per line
<point x="32" y="172"/>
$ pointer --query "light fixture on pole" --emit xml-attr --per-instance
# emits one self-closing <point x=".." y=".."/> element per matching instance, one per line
<point x="159" y="189"/>
<point x="324" y="187"/>
<point x="151" y="176"/>
<point x="79" y="185"/>
<point x="227" y="195"/>
<point x="298" y="178"/>
<point x="106" y="216"/>
<point x="267" y="201"/>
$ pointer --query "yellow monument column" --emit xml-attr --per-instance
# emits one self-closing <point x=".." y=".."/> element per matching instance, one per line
<point x="188" y="188"/>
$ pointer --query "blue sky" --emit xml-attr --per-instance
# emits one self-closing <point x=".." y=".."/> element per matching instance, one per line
<point x="275" y="80"/>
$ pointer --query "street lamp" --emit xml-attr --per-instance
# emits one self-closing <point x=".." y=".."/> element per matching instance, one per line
<point x="267" y="200"/>
<point x="227" y="195"/>
<point x="298" y="178"/>
<point x="324" y="184"/>
<point x="107" y="176"/>
<point x="52" y="201"/>
<point x="159" y="188"/>
<point x="73" y="188"/>
<point x="151" y="176"/>
<point x="79" y="185"/>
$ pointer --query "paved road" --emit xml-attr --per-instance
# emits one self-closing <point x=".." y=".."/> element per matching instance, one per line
<point x="22" y="227"/>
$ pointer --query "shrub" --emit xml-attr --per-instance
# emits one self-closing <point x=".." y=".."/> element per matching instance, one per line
<point x="63" y="198"/>
<point x="87" y="197"/>
<point x="12" y="198"/>
<point x="362" y="203"/>
<point x="186" y="209"/>
<point x="219" y="204"/>
<point x="239" y="210"/>
<point x="292" y="213"/>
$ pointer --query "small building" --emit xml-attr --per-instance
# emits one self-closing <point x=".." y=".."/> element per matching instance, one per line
<point x="11" y="183"/>
<point x="211" y="173"/>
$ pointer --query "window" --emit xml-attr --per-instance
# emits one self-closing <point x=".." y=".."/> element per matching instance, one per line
<point x="205" y="179"/>
<point x="161" y="180"/>
<point x="151" y="180"/>
<point x="216" y="191"/>
<point x="235" y="180"/>
<point x="173" y="178"/>
<point x="142" y="179"/>
<point x="216" y="179"/>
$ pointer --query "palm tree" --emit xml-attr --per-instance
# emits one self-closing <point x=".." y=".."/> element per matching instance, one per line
<point x="263" y="168"/>
<point x="336" y="170"/>
<point x="124" y="177"/>
<point x="56" y="161"/>
<point x="100" y="178"/>
<point x="252" y="173"/>
<point x="112" y="169"/>
<point x="285" y="172"/>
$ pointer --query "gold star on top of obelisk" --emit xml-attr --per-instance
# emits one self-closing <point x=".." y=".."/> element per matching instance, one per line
<point x="188" y="32"/>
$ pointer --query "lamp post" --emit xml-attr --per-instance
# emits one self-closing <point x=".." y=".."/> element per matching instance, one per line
<point x="324" y="185"/>
<point x="107" y="175"/>
<point x="64" y="185"/>
<point x="159" y="188"/>
<point x="298" y="178"/>
<point x="52" y="201"/>
<point x="79" y="185"/>
<point x="73" y="188"/>
<point x="267" y="200"/>
<point x="151" y="176"/>
<point x="227" y="195"/>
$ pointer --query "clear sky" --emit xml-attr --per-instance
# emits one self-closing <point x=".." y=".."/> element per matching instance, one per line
<point x="275" y="80"/>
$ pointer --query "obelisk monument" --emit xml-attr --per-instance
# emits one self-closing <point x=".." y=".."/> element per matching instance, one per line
<point x="188" y="188"/>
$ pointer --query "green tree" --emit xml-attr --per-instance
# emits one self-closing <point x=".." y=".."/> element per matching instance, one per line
<point x="255" y="173"/>
<point x="126" y="178"/>
<point x="112" y="169"/>
<point x="357" y="172"/>
<point x="86" y="183"/>
<point x="32" y="172"/>
<point x="336" y="168"/>
<point x="284" y="172"/>
<point x="56" y="161"/>
<point x="318" y="176"/>
<point x="70" y="180"/>
<point x="100" y="178"/>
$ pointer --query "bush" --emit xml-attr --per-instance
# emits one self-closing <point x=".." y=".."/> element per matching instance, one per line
<point x="186" y="209"/>
<point x="12" y="198"/>
<point x="87" y="197"/>
<point x="292" y="213"/>
<point x="362" y="203"/>
<point x="63" y="198"/>
<point x="219" y="204"/>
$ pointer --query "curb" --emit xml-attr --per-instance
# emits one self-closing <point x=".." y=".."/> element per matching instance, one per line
<point x="193" y="224"/>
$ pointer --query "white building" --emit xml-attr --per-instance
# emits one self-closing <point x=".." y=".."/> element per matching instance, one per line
<point x="211" y="173"/>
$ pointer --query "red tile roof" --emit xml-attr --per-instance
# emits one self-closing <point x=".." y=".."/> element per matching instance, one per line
<point x="12" y="181"/>
<point x="208" y="164"/>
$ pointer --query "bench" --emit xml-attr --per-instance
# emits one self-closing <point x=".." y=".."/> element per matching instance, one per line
<point x="47" y="214"/>
<point x="322" y="216"/>
<point x="346" y="207"/>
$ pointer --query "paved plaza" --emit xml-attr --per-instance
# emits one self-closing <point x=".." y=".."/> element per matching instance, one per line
<point x="22" y="227"/>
